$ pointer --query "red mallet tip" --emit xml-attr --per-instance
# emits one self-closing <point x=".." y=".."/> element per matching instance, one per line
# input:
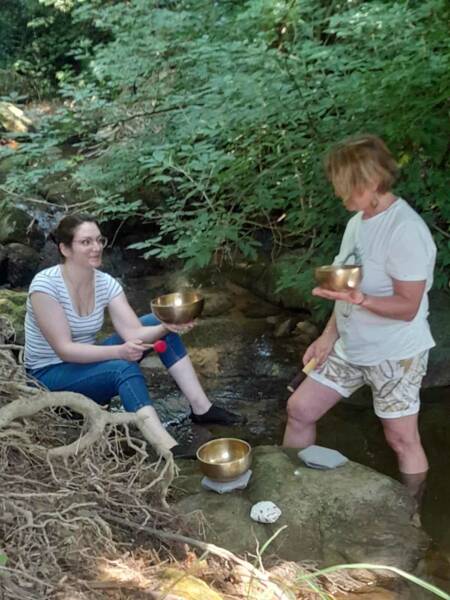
<point x="160" y="346"/>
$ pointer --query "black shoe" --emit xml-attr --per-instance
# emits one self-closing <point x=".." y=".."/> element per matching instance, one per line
<point x="185" y="450"/>
<point x="217" y="415"/>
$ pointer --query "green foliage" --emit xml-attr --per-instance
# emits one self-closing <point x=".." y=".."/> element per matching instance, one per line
<point x="212" y="119"/>
<point x="38" y="41"/>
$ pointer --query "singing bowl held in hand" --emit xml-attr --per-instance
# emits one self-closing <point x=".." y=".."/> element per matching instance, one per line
<point x="178" y="308"/>
<point x="224" y="459"/>
<point x="339" y="278"/>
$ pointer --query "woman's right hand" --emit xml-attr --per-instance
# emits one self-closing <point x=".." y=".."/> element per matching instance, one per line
<point x="132" y="350"/>
<point x="319" y="349"/>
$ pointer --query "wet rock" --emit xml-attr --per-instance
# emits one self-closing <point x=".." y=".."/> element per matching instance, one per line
<point x="20" y="226"/>
<point x="206" y="361"/>
<point x="23" y="263"/>
<point x="49" y="255"/>
<point x="273" y="320"/>
<point x="14" y="225"/>
<point x="348" y="514"/>
<point x="285" y="327"/>
<point x="304" y="339"/>
<point x="12" y="307"/>
<point x="216" y="303"/>
<point x="58" y="189"/>
<point x="259" y="309"/>
<point x="308" y="329"/>
<point x="262" y="278"/>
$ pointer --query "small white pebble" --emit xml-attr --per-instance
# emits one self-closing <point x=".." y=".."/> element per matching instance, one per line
<point x="265" y="512"/>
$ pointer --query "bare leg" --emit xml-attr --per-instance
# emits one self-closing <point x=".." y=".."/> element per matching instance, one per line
<point x="310" y="401"/>
<point x="186" y="378"/>
<point x="402" y="435"/>
<point x="203" y="412"/>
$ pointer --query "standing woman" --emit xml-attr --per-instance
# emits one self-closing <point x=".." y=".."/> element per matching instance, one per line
<point x="65" y="311"/>
<point x="378" y="334"/>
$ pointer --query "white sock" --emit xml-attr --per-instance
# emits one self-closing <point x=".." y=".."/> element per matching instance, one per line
<point x="152" y="428"/>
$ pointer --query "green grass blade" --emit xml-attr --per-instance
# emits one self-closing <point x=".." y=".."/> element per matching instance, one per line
<point x="420" y="582"/>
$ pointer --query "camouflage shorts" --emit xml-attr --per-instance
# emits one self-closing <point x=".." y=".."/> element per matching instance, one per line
<point x="395" y="384"/>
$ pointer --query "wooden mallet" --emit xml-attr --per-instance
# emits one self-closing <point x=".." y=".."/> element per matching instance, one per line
<point x="310" y="365"/>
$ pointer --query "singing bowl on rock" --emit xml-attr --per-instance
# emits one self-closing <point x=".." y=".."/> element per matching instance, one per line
<point x="339" y="278"/>
<point x="177" y="308"/>
<point x="224" y="459"/>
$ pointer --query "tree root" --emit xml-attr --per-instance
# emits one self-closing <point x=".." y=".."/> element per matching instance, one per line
<point x="263" y="578"/>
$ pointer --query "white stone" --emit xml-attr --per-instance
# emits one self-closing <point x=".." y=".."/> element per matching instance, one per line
<point x="265" y="512"/>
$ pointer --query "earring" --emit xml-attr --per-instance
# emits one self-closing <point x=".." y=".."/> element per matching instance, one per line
<point x="374" y="202"/>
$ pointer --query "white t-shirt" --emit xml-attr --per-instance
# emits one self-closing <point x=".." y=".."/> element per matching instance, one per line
<point x="38" y="352"/>
<point x="397" y="244"/>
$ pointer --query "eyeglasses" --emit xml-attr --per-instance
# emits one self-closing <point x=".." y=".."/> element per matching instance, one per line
<point x="89" y="242"/>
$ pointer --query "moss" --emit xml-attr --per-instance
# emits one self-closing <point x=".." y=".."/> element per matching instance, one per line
<point x="13" y="306"/>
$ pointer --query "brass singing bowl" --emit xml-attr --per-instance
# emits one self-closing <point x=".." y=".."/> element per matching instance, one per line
<point x="339" y="278"/>
<point x="224" y="459"/>
<point x="178" y="308"/>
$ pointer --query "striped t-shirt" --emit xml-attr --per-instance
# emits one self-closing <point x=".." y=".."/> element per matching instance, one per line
<point x="38" y="352"/>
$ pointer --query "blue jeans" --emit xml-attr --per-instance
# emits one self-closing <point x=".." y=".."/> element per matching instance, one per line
<point x="103" y="380"/>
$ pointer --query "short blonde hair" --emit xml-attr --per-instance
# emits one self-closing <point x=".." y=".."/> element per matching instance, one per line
<point x="357" y="162"/>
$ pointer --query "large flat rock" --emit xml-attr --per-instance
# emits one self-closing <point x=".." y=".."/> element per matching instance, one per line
<point x="349" y="514"/>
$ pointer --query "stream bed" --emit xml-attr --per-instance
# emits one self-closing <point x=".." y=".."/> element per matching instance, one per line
<point x="244" y="367"/>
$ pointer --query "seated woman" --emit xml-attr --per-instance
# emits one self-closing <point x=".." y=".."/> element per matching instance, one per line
<point x="65" y="311"/>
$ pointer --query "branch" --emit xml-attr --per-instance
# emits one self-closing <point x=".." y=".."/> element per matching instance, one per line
<point x="145" y="114"/>
<point x="65" y="207"/>
<point x="263" y="578"/>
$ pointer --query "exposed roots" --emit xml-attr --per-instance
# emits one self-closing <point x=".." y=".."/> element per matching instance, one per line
<point x="55" y="504"/>
<point x="84" y="512"/>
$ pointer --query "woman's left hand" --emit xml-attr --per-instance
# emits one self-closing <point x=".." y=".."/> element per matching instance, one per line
<point x="352" y="296"/>
<point x="184" y="328"/>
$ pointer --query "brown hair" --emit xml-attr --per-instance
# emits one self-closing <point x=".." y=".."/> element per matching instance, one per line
<point x="65" y="230"/>
<point x="359" y="161"/>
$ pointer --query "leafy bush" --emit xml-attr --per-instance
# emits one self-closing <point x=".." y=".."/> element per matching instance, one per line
<point x="225" y="110"/>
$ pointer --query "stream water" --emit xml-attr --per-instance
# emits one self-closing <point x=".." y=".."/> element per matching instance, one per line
<point x="244" y="367"/>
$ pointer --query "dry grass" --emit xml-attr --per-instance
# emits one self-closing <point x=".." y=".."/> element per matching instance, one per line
<point x="84" y="512"/>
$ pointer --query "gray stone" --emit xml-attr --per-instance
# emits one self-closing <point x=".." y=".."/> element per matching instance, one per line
<point x="23" y="262"/>
<point x="262" y="279"/>
<point x="259" y="309"/>
<point x="307" y="328"/>
<point x="15" y="225"/>
<point x="49" y="255"/>
<point x="348" y="514"/>
<point x="217" y="302"/>
<point x="285" y="327"/>
<point x="303" y="339"/>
